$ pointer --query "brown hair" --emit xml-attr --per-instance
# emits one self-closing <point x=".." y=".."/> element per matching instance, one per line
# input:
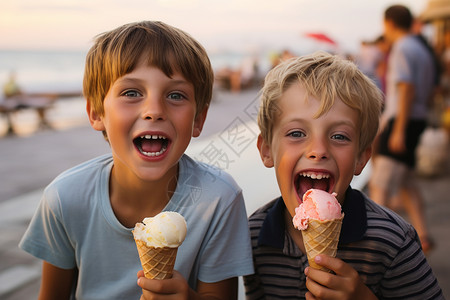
<point x="400" y="15"/>
<point x="118" y="52"/>
<point x="325" y="77"/>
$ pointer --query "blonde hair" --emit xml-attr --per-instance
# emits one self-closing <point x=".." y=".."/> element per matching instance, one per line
<point x="118" y="52"/>
<point x="325" y="77"/>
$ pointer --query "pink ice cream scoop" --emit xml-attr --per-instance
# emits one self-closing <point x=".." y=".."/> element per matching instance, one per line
<point x="318" y="205"/>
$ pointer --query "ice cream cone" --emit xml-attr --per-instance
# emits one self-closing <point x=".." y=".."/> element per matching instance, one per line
<point x="157" y="262"/>
<point x="321" y="237"/>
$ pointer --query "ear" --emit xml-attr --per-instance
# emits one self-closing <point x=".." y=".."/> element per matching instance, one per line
<point x="362" y="160"/>
<point x="265" y="152"/>
<point x="198" y="122"/>
<point x="94" y="118"/>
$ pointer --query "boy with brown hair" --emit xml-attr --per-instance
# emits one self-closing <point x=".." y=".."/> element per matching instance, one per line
<point x="148" y="87"/>
<point x="318" y="117"/>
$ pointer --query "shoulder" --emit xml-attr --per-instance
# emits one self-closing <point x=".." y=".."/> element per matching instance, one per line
<point x="260" y="214"/>
<point x="257" y="218"/>
<point x="407" y="42"/>
<point x="208" y="187"/>
<point x="378" y="214"/>
<point x="79" y="181"/>
<point x="387" y="228"/>
<point x="411" y="47"/>
<point x="402" y="47"/>
<point x="374" y="226"/>
<point x="386" y="239"/>
<point x="84" y="169"/>
<point x="391" y="256"/>
<point x="209" y="177"/>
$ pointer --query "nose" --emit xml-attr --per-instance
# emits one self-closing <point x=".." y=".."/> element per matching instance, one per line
<point x="153" y="109"/>
<point x="317" y="149"/>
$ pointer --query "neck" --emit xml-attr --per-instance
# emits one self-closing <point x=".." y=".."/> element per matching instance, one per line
<point x="400" y="34"/>
<point x="132" y="201"/>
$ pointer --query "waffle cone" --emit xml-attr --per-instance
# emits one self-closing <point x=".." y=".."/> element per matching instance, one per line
<point x="157" y="262"/>
<point x="321" y="238"/>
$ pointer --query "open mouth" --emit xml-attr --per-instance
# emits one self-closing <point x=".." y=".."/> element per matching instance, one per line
<point x="151" y="145"/>
<point x="313" y="180"/>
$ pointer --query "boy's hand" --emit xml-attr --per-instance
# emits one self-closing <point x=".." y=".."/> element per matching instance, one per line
<point x="174" y="288"/>
<point x="345" y="284"/>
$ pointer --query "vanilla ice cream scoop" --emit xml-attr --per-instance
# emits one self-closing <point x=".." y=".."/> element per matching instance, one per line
<point x="166" y="229"/>
<point x="318" y="205"/>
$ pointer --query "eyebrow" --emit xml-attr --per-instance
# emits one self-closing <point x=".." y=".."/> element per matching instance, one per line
<point x="132" y="79"/>
<point x="337" y="123"/>
<point x="348" y="123"/>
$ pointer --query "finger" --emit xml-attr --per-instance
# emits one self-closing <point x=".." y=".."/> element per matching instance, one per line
<point x="321" y="277"/>
<point x="140" y="273"/>
<point x="317" y="290"/>
<point x="153" y="285"/>
<point x="331" y="263"/>
<point x="309" y="296"/>
<point x="331" y="280"/>
<point x="165" y="286"/>
<point x="346" y="281"/>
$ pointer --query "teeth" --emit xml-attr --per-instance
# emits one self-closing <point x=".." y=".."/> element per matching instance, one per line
<point x="154" y="137"/>
<point x="155" y="153"/>
<point x="315" y="175"/>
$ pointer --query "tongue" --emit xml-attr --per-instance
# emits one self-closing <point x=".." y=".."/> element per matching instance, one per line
<point x="320" y="184"/>
<point x="308" y="183"/>
<point x="151" y="145"/>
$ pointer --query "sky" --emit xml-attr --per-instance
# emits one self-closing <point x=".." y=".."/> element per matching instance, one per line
<point x="217" y="24"/>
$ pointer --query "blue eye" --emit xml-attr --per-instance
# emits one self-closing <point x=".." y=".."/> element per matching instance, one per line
<point x="176" y="96"/>
<point x="296" y="134"/>
<point x="340" y="137"/>
<point x="132" y="93"/>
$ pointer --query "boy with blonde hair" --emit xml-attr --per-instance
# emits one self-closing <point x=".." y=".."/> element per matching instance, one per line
<point x="148" y="87"/>
<point x="318" y="117"/>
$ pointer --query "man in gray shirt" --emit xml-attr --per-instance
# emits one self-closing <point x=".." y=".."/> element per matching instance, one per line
<point x="410" y="82"/>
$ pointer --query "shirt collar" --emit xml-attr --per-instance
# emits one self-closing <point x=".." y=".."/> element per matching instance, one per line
<point x="354" y="224"/>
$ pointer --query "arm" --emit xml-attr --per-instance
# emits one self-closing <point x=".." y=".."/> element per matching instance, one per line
<point x="253" y="287"/>
<point x="405" y="99"/>
<point x="177" y="288"/>
<point x="225" y="289"/>
<point x="56" y="282"/>
<point x="345" y="284"/>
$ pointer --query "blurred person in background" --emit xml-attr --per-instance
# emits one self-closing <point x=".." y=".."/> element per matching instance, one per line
<point x="16" y="99"/>
<point x="410" y="80"/>
<point x="10" y="90"/>
<point x="371" y="60"/>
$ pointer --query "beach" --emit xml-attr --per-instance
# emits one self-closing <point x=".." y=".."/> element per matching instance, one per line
<point x="31" y="159"/>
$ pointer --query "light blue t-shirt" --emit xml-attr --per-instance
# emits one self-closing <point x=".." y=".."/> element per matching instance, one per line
<point x="75" y="227"/>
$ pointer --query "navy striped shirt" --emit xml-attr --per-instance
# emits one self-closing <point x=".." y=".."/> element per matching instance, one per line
<point x="382" y="247"/>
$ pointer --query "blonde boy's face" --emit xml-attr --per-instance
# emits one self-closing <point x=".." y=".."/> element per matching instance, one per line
<point x="320" y="153"/>
<point x="149" y="119"/>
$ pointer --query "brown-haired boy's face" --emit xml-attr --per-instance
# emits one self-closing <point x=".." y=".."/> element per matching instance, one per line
<point x="149" y="119"/>
<point x="307" y="152"/>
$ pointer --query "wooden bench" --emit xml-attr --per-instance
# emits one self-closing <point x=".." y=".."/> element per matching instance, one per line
<point x="39" y="102"/>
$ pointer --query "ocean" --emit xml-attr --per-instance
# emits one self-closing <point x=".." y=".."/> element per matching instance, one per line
<point x="43" y="71"/>
<point x="62" y="71"/>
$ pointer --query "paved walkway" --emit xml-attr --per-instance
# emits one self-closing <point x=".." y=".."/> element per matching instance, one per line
<point x="29" y="162"/>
